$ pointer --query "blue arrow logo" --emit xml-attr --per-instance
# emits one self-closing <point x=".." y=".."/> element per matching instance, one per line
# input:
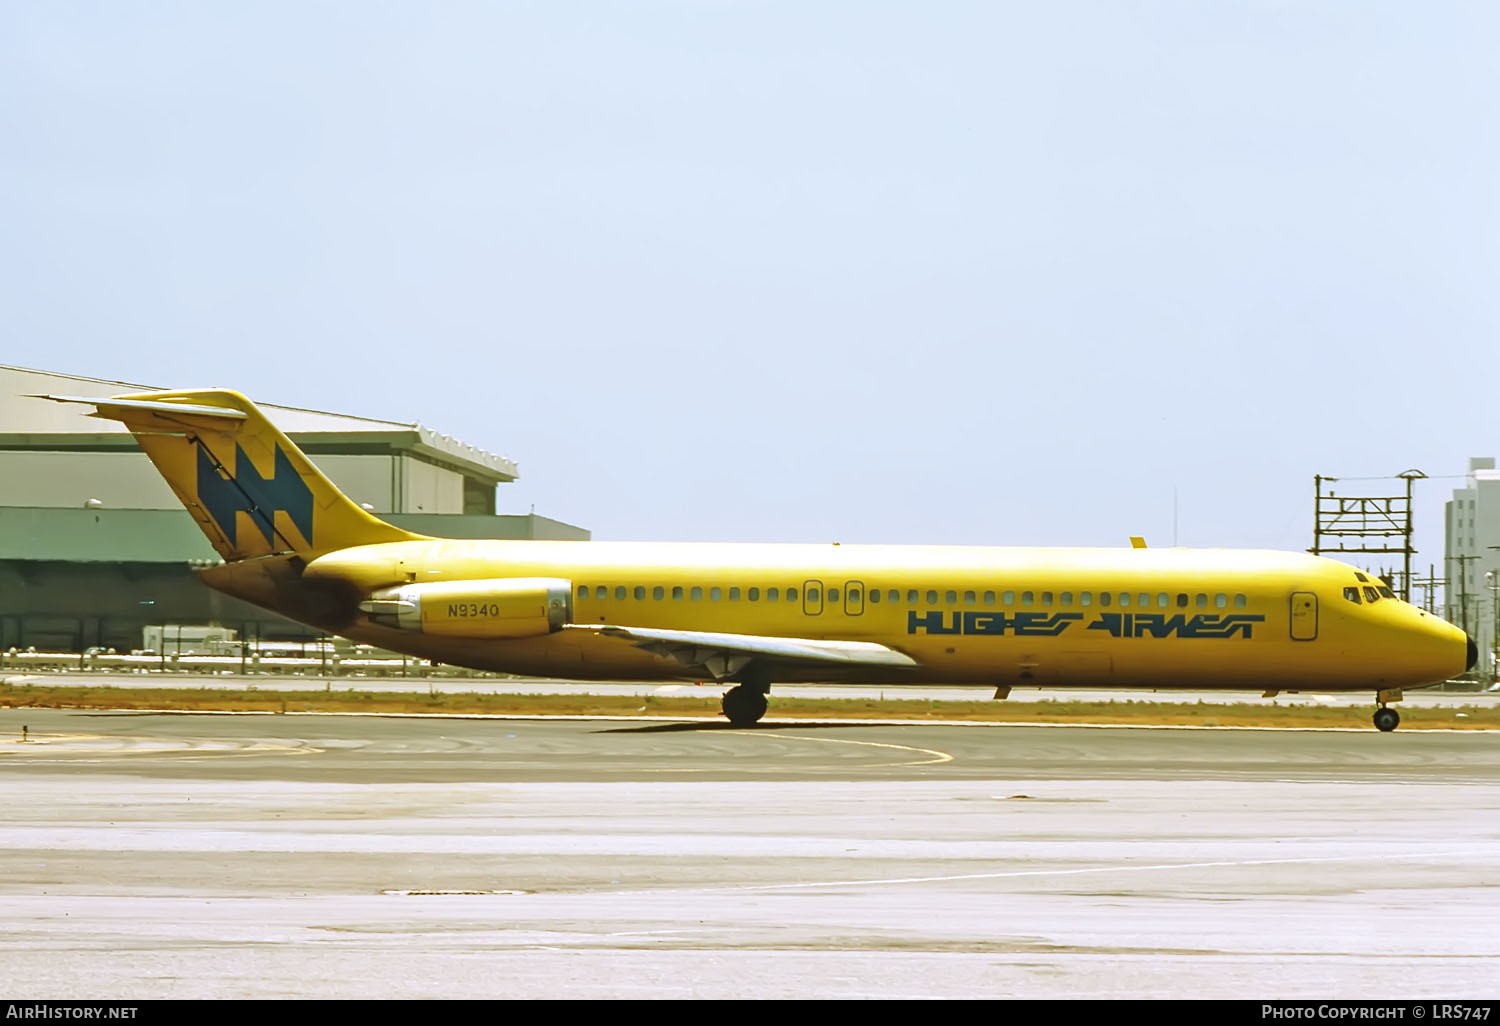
<point x="245" y="491"/>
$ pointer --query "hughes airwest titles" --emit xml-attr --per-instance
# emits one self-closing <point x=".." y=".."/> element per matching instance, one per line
<point x="751" y="615"/>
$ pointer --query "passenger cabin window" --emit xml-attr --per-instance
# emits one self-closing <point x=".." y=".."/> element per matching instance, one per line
<point x="620" y="593"/>
<point x="697" y="594"/>
<point x="791" y="594"/>
<point x="583" y="591"/>
<point x="970" y="598"/>
<point x="1027" y="598"/>
<point x="911" y="597"/>
<point x="1105" y="598"/>
<point x="753" y="594"/>
<point x="989" y="598"/>
<point x="714" y="594"/>
<point x="833" y="594"/>
<point x="932" y="598"/>
<point x="639" y="592"/>
<point x="601" y="592"/>
<point x="1240" y="601"/>
<point x="1352" y="594"/>
<point x="773" y="594"/>
<point x="734" y="594"/>
<point x="676" y="594"/>
<point x="874" y="594"/>
<point x="658" y="593"/>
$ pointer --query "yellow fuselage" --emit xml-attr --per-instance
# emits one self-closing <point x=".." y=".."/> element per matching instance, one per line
<point x="1002" y="616"/>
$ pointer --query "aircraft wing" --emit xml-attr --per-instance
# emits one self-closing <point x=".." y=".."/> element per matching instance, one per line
<point x="724" y="655"/>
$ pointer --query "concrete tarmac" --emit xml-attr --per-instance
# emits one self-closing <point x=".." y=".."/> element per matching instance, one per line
<point x="169" y="856"/>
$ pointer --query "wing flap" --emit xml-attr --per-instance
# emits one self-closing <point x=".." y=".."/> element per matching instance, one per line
<point x="724" y="655"/>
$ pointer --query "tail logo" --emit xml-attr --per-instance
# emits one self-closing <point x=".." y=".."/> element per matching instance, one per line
<point x="243" y="490"/>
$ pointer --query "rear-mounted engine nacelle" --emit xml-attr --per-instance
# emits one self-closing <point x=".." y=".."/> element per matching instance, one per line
<point x="502" y="607"/>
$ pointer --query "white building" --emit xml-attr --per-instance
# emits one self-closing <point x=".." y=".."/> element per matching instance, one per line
<point x="1472" y="532"/>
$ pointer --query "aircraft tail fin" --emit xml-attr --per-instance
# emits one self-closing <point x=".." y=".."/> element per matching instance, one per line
<point x="248" y="487"/>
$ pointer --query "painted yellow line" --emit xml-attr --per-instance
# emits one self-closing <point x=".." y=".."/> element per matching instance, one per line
<point x="97" y="745"/>
<point x="937" y="755"/>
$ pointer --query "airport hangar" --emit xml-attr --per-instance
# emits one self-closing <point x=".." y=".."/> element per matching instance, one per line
<point x="94" y="547"/>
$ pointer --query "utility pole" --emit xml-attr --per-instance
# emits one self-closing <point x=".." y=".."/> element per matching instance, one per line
<point x="1494" y="583"/>
<point x="1463" y="590"/>
<point x="1429" y="584"/>
<point x="1408" y="476"/>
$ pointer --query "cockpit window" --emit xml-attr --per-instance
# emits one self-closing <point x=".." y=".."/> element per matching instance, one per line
<point x="1359" y="576"/>
<point x="1387" y="593"/>
<point x="1352" y="594"/>
<point x="1371" y="595"/>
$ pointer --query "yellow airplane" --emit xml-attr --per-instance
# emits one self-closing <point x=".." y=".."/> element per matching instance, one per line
<point x="749" y="615"/>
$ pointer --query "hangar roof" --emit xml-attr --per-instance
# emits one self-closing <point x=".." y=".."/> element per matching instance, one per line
<point x="34" y="424"/>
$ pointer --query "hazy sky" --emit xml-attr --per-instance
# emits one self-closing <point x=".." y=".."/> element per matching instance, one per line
<point x="1000" y="273"/>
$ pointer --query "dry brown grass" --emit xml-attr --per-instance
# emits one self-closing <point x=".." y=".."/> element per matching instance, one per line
<point x="1124" y="711"/>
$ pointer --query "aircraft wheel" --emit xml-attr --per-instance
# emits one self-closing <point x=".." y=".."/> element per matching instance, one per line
<point x="1386" y="718"/>
<point x="744" y="705"/>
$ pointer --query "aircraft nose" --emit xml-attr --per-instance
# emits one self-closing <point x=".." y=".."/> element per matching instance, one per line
<point x="1473" y="653"/>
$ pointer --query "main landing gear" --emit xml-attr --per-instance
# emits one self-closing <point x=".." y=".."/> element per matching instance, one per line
<point x="1386" y="718"/>
<point x="746" y="704"/>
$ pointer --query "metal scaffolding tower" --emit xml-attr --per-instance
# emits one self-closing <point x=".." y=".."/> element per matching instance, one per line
<point x="1373" y="522"/>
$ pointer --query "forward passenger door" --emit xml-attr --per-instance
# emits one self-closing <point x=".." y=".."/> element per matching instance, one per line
<point x="1304" y="616"/>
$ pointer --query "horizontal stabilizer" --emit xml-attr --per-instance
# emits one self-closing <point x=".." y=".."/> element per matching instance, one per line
<point x="115" y="409"/>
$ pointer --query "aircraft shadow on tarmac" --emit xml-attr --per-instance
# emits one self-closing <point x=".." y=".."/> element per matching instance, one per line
<point x="669" y="728"/>
<point x="650" y="728"/>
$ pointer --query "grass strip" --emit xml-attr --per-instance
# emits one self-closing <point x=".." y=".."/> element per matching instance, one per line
<point x="1484" y="716"/>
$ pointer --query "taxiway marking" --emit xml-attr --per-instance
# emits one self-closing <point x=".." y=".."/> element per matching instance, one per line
<point x="937" y="755"/>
